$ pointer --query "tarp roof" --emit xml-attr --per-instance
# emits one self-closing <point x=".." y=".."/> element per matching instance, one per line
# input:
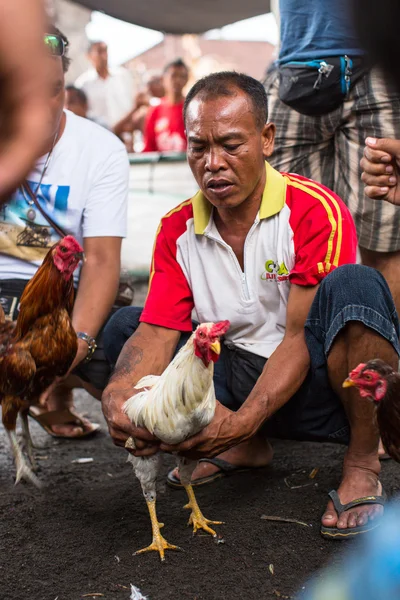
<point x="180" y="16"/>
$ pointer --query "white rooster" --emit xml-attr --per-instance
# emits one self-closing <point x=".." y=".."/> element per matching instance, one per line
<point x="175" y="406"/>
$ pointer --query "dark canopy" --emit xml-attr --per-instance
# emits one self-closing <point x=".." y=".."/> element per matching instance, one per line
<point x="180" y="16"/>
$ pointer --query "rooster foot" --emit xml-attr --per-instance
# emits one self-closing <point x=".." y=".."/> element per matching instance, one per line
<point x="24" y="472"/>
<point x="159" y="544"/>
<point x="197" y="519"/>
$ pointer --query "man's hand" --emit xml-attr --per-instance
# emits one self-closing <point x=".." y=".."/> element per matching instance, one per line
<point x="119" y="425"/>
<point x="381" y="169"/>
<point x="226" y="430"/>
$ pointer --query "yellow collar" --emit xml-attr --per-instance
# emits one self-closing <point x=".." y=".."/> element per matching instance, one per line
<point x="272" y="202"/>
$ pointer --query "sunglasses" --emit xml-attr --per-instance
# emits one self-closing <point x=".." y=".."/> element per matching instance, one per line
<point x="55" y="44"/>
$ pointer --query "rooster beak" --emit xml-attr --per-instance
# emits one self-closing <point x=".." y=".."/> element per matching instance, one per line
<point x="348" y="383"/>
<point x="216" y="347"/>
<point x="81" y="256"/>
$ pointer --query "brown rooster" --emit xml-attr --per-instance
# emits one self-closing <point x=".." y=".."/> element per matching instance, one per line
<point x="40" y="346"/>
<point x="378" y="382"/>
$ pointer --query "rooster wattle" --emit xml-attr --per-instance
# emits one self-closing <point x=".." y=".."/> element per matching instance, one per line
<point x="174" y="406"/>
<point x="378" y="382"/>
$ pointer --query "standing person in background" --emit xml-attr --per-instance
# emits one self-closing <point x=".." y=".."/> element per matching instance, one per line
<point x="321" y="127"/>
<point x="22" y="91"/>
<point x="76" y="101"/>
<point x="109" y="91"/>
<point x="165" y="129"/>
<point x="134" y="121"/>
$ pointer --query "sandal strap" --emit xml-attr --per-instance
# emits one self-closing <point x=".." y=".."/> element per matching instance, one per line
<point x="223" y="465"/>
<point x="57" y="417"/>
<point x="341" y="508"/>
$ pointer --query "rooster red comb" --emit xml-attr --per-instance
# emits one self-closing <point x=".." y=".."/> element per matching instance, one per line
<point x="356" y="372"/>
<point x="220" y="328"/>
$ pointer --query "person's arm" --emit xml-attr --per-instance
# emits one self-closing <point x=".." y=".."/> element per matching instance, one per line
<point x="23" y="112"/>
<point x="381" y="169"/>
<point x="98" y="287"/>
<point x="104" y="226"/>
<point x="148" y="351"/>
<point x="282" y="376"/>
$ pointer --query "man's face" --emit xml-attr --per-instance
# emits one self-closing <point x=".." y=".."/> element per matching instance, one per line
<point x="56" y="92"/>
<point x="98" y="56"/>
<point x="75" y="104"/>
<point x="226" y="149"/>
<point x="175" y="80"/>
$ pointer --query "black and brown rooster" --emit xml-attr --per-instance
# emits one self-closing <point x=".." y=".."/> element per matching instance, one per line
<point x="377" y="381"/>
<point x="39" y="346"/>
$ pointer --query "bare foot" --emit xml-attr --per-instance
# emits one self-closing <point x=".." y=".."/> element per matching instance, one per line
<point x="358" y="481"/>
<point x="257" y="452"/>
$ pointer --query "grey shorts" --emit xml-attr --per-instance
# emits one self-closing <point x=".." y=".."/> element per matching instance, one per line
<point x="329" y="148"/>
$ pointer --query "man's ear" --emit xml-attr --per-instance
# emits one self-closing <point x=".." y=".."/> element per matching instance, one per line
<point x="268" y="139"/>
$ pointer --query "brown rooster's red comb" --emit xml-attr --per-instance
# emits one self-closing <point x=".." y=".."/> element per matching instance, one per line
<point x="220" y="328"/>
<point x="356" y="372"/>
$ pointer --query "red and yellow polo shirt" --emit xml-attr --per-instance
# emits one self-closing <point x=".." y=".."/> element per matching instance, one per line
<point x="302" y="232"/>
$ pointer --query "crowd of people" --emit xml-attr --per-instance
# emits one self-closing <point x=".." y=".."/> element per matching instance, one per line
<point x="148" y="120"/>
<point x="289" y="187"/>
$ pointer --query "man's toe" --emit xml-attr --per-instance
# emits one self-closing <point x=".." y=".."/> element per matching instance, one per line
<point x="329" y="518"/>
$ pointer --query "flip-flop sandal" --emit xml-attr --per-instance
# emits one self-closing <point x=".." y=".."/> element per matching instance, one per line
<point x="66" y="416"/>
<point x="350" y="532"/>
<point x="225" y="469"/>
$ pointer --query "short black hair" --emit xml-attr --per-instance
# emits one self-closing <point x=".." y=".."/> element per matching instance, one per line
<point x="80" y="93"/>
<point x="66" y="61"/>
<point x="178" y="62"/>
<point x="226" y="83"/>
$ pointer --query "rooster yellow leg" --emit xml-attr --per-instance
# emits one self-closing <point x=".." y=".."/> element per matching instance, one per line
<point x="197" y="519"/>
<point x="159" y="544"/>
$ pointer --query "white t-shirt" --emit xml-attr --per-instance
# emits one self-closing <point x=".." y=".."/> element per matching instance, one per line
<point x="84" y="190"/>
<point x="109" y="99"/>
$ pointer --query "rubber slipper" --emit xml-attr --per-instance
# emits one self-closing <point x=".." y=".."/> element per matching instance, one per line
<point x="350" y="532"/>
<point x="66" y="416"/>
<point x="225" y="469"/>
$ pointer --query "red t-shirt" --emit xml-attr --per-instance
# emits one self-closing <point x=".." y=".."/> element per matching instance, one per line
<point x="165" y="130"/>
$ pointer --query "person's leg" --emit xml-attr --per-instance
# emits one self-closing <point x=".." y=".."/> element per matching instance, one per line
<point x="303" y="144"/>
<point x="374" y="112"/>
<point x="353" y="319"/>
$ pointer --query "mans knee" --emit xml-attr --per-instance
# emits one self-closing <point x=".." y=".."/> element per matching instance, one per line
<point x="118" y="330"/>
<point x="356" y="280"/>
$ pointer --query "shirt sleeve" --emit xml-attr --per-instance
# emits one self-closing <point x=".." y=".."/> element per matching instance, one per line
<point x="105" y="211"/>
<point x="324" y="235"/>
<point x="150" y="144"/>
<point x="169" y="301"/>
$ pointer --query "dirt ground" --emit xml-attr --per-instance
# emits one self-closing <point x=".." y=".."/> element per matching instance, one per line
<point x="76" y="538"/>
